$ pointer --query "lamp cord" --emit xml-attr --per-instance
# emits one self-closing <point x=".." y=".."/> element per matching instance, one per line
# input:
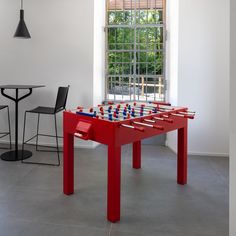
<point x="21" y="4"/>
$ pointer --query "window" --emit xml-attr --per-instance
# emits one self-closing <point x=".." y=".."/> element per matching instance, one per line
<point x="135" y="50"/>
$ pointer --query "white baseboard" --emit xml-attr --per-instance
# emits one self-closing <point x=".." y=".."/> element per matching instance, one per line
<point x="210" y="154"/>
<point x="90" y="145"/>
<point x="172" y="149"/>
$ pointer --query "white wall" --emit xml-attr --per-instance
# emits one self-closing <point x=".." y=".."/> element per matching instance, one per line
<point x="172" y="60"/>
<point x="99" y="51"/>
<point x="61" y="52"/>
<point x="232" y="122"/>
<point x="203" y="74"/>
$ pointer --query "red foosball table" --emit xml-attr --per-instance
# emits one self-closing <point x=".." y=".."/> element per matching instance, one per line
<point x="119" y="124"/>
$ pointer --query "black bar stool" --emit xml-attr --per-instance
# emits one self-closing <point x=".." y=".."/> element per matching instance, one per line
<point x="59" y="106"/>
<point x="7" y="133"/>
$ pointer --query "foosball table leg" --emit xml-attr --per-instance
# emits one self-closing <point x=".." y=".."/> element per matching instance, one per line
<point x="68" y="166"/>
<point x="137" y="155"/>
<point x="182" y="156"/>
<point x="114" y="176"/>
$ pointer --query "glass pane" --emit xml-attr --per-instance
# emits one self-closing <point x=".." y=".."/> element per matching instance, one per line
<point x="128" y="46"/>
<point x="128" y="69"/>
<point x="128" y="35"/>
<point x="151" y="17"/>
<point x="111" y="17"/>
<point x="111" y="57"/>
<point x="111" y="35"/>
<point x="151" y="69"/>
<point x="141" y="68"/>
<point x="141" y="35"/>
<point x="141" y="17"/>
<point x="120" y="17"/>
<point x="141" y="56"/>
<point x="112" y="69"/>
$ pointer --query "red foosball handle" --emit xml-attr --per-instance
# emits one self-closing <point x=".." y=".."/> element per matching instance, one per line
<point x="158" y="127"/>
<point x="168" y="120"/>
<point x="189" y="116"/>
<point x="184" y="116"/>
<point x="139" y="128"/>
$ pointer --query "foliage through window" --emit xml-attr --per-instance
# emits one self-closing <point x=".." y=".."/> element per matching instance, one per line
<point x="135" y="50"/>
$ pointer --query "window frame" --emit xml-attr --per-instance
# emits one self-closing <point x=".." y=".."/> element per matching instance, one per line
<point x="135" y="76"/>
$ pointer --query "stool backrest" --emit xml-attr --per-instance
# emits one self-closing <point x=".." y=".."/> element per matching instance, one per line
<point x="61" y="98"/>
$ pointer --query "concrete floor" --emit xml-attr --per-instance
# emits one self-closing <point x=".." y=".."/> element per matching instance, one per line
<point x="32" y="203"/>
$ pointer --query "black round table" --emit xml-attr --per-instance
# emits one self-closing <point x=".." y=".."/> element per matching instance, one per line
<point x="16" y="155"/>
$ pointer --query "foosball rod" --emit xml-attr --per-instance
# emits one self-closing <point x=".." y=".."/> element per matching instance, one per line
<point x="108" y="118"/>
<point x="140" y="107"/>
<point x="148" y="112"/>
<point x="119" y="118"/>
<point x="136" y="108"/>
<point x="187" y="112"/>
<point x="164" y="109"/>
<point x="150" y="121"/>
<point x="133" y="127"/>
<point x="163" y="119"/>
<point x="149" y="125"/>
<point x="159" y="119"/>
<point x="159" y="107"/>
<point x="155" y="105"/>
<point x="184" y="116"/>
<point x="97" y="116"/>
<point x="128" y="112"/>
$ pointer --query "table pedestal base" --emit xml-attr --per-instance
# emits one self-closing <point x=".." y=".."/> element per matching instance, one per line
<point x="11" y="155"/>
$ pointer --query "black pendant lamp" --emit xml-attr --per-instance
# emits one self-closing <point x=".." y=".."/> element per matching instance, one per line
<point x="22" y="31"/>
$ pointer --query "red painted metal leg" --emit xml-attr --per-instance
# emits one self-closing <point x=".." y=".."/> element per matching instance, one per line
<point x="113" y="192"/>
<point x="68" y="165"/>
<point x="137" y="155"/>
<point x="182" y="156"/>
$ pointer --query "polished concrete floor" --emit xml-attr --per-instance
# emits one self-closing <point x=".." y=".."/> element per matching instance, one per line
<point x="32" y="202"/>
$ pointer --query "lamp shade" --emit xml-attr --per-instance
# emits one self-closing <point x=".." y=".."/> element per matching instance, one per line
<point x="22" y="31"/>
